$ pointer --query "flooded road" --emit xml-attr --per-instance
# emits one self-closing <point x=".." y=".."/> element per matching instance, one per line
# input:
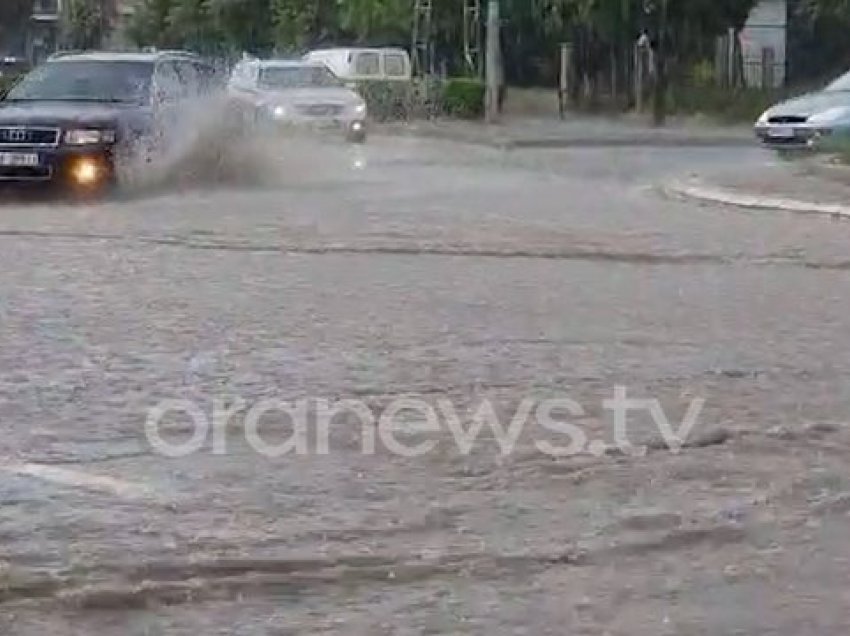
<point x="426" y="271"/>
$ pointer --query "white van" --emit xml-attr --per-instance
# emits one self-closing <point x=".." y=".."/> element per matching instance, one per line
<point x="360" y="64"/>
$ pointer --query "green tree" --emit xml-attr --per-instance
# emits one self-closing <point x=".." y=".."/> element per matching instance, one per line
<point x="377" y="22"/>
<point x="818" y="47"/>
<point x="13" y="14"/>
<point x="13" y="18"/>
<point x="244" y="25"/>
<point x="84" y="24"/>
<point x="149" y="24"/>
<point x="191" y="25"/>
<point x="817" y="9"/>
<point x="294" y="22"/>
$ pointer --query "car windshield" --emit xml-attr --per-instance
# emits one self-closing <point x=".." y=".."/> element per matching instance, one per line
<point x="297" y="77"/>
<point x="839" y="85"/>
<point x="96" y="81"/>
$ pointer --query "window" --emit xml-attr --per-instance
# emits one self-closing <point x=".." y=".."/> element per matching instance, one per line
<point x="394" y="65"/>
<point x="107" y="81"/>
<point x="45" y="8"/>
<point x="368" y="64"/>
<point x="297" y="77"/>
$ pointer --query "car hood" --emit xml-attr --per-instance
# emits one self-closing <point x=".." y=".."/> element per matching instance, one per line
<point x="810" y="104"/>
<point x="330" y="95"/>
<point x="67" y="114"/>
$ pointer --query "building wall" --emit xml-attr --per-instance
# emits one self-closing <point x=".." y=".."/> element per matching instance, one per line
<point x="43" y="32"/>
<point x="766" y="30"/>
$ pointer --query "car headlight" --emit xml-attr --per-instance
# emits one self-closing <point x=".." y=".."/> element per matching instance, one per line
<point x="85" y="137"/>
<point x="360" y="108"/>
<point x="830" y="115"/>
<point x="279" y="112"/>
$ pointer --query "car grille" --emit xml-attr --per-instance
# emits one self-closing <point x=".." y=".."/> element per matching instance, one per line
<point x="19" y="136"/>
<point x="787" y="141"/>
<point x="320" y="110"/>
<point x="38" y="173"/>
<point x="787" y="119"/>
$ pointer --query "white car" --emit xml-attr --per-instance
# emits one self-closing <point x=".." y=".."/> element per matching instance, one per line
<point x="299" y="93"/>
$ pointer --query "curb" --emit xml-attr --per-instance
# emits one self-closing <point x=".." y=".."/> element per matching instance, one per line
<point x="632" y="142"/>
<point x="638" y="140"/>
<point x="713" y="194"/>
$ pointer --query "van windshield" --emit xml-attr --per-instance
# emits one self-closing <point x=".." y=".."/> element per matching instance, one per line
<point x="297" y="77"/>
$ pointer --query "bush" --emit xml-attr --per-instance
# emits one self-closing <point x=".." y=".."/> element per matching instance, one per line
<point x="423" y="99"/>
<point x="463" y="98"/>
<point x="837" y="145"/>
<point x="386" y="101"/>
<point x="731" y="106"/>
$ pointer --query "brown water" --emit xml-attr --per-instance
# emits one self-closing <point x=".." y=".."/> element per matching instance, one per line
<point x="432" y="271"/>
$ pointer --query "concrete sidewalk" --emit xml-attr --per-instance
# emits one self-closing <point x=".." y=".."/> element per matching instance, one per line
<point x="808" y="186"/>
<point x="575" y="131"/>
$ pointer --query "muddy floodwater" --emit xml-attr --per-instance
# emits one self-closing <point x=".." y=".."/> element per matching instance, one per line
<point x="428" y="271"/>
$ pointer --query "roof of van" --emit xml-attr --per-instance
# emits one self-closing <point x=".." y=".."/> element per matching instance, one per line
<point x="348" y="49"/>
<point x="287" y="63"/>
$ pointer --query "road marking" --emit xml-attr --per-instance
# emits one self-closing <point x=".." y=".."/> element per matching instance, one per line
<point x="79" y="479"/>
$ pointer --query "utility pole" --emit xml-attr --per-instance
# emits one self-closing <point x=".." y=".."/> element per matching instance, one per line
<point x="659" y="111"/>
<point x="472" y="37"/>
<point x="494" y="61"/>
<point x="421" y="46"/>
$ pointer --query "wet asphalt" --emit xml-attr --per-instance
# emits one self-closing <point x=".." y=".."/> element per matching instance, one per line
<point x="429" y="271"/>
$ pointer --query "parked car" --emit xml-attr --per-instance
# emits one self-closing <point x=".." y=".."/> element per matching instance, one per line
<point x="365" y="64"/>
<point x="383" y="76"/>
<point x="811" y="120"/>
<point x="70" y="120"/>
<point x="298" y="93"/>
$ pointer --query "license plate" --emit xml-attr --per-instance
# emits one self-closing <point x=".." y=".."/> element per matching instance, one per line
<point x="18" y="159"/>
<point x="781" y="132"/>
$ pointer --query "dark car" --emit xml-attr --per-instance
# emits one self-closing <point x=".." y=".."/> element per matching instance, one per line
<point x="71" y="119"/>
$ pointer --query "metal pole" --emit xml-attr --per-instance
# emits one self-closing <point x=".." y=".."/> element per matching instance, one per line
<point x="493" y="80"/>
<point x="640" y="60"/>
<point x="660" y="105"/>
<point x="564" y="84"/>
